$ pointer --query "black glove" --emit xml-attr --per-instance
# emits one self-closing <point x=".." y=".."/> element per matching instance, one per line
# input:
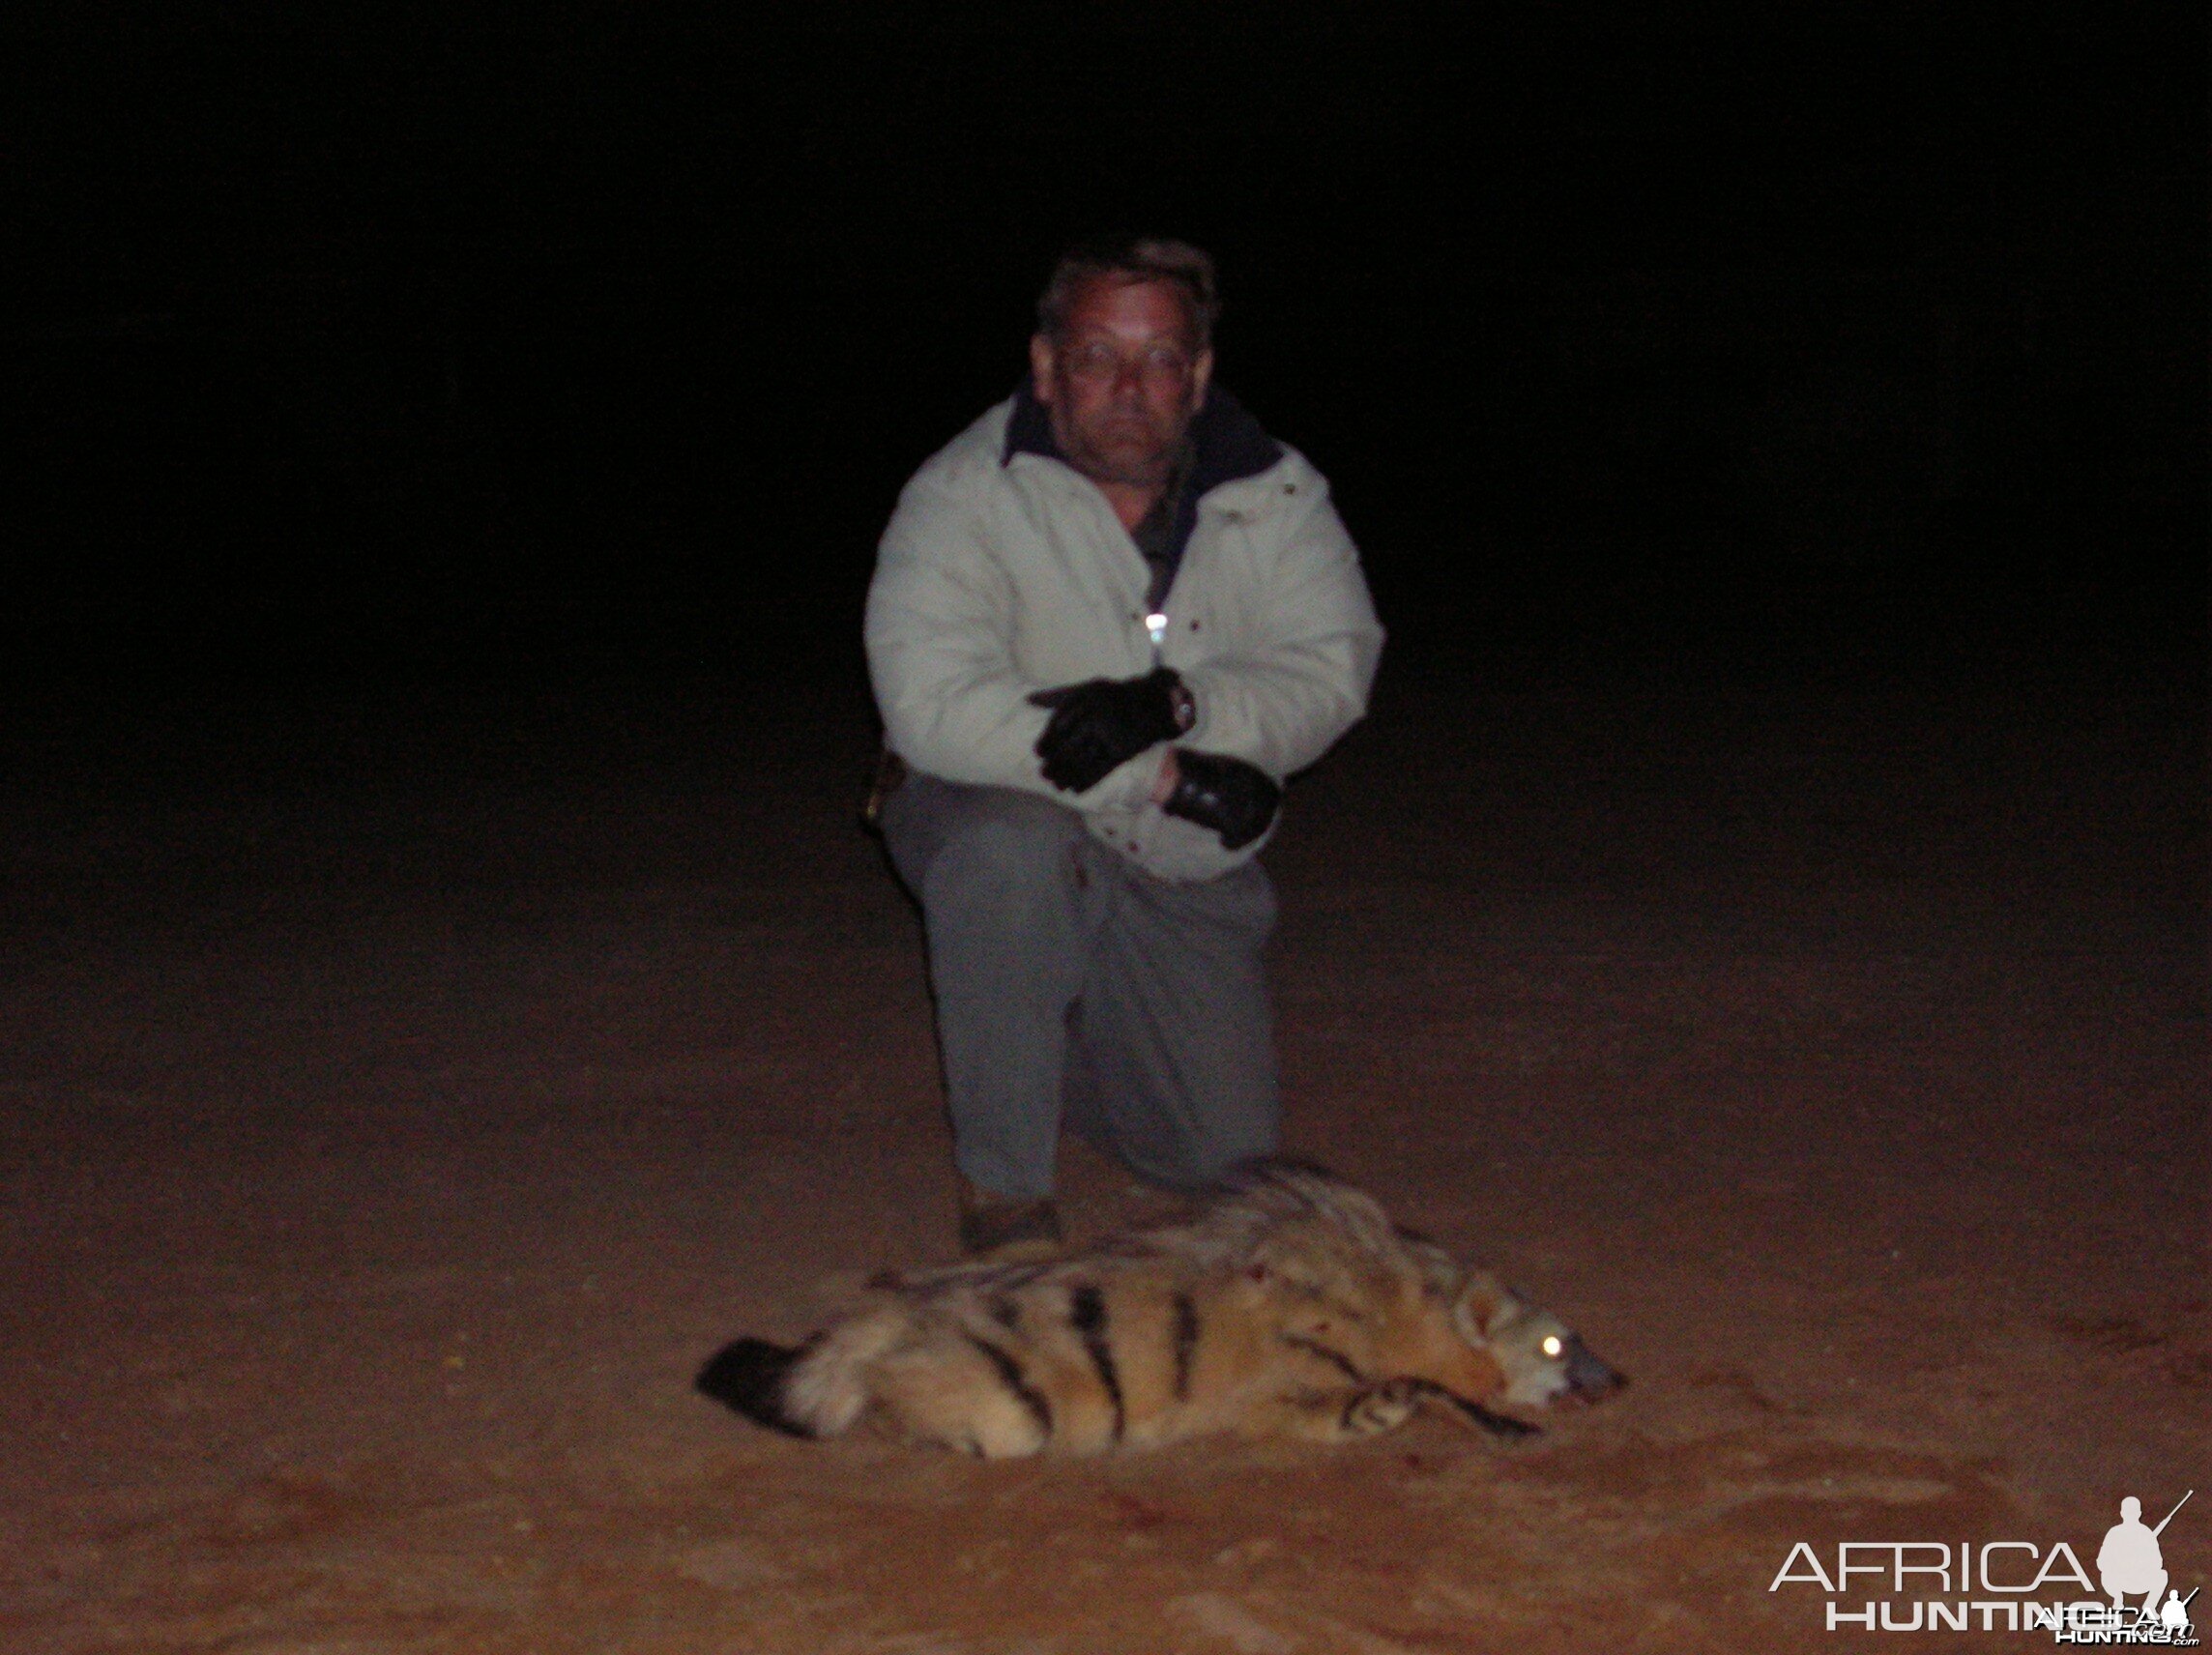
<point x="1106" y="721"/>
<point x="1235" y="799"/>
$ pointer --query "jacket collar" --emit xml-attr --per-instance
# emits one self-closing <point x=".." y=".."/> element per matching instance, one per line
<point x="1227" y="443"/>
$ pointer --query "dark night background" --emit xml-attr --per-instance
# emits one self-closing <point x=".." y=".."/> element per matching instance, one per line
<point x="432" y="342"/>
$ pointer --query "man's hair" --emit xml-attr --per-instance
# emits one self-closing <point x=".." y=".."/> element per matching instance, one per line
<point x="1133" y="258"/>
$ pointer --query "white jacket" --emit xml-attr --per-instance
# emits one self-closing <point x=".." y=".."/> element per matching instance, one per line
<point x="1001" y="575"/>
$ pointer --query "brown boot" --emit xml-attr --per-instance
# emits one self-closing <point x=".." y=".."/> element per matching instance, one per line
<point x="1007" y="1232"/>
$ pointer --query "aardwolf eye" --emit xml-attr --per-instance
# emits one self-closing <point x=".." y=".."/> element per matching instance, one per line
<point x="1553" y="1345"/>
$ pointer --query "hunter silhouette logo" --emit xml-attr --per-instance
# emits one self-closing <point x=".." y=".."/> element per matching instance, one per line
<point x="2005" y="1585"/>
<point x="2130" y="1559"/>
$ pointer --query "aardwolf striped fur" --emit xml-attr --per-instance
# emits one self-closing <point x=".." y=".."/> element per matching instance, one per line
<point x="1291" y="1306"/>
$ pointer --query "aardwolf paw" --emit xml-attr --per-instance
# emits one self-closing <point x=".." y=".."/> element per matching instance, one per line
<point x="1380" y="1407"/>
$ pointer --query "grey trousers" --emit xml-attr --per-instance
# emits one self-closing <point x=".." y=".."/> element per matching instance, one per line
<point x="1070" y="983"/>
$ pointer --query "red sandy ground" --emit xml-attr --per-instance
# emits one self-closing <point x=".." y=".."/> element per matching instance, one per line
<point x="401" y="1099"/>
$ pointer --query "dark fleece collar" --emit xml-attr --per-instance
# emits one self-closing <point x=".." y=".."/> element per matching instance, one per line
<point x="1227" y="445"/>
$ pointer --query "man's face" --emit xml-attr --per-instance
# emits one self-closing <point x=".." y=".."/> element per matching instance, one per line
<point x="1122" y="380"/>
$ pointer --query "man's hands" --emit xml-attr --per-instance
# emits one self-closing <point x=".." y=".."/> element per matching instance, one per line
<point x="1105" y="721"/>
<point x="1235" y="799"/>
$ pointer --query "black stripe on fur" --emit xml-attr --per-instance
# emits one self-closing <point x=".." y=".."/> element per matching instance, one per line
<point x="1336" y="1359"/>
<point x="1496" y="1424"/>
<point x="748" y="1375"/>
<point x="1086" y="1313"/>
<point x="1186" y="1343"/>
<point x="1011" y="1375"/>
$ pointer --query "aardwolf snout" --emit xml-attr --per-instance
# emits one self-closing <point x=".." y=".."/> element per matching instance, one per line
<point x="1589" y="1380"/>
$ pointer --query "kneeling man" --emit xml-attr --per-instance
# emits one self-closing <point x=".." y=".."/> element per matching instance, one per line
<point x="1107" y="621"/>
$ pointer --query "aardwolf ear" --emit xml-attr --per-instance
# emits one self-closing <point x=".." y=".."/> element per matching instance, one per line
<point x="1481" y="1302"/>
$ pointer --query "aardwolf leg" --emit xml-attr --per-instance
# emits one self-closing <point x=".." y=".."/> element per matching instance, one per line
<point x="1339" y="1415"/>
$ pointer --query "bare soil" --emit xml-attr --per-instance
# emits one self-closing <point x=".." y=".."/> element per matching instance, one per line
<point x="401" y="1094"/>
